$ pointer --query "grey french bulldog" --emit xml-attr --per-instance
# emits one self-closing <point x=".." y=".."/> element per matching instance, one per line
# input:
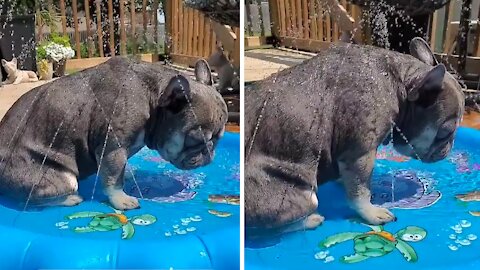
<point x="66" y="130"/>
<point x="324" y="119"/>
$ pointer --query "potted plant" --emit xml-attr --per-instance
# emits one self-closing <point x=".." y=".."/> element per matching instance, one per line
<point x="44" y="65"/>
<point x="57" y="50"/>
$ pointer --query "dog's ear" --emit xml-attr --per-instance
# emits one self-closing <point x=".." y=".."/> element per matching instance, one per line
<point x="176" y="94"/>
<point x="425" y="88"/>
<point x="419" y="49"/>
<point x="203" y="73"/>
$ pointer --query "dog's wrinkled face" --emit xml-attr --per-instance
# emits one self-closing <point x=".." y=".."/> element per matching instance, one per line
<point x="189" y="127"/>
<point x="435" y="109"/>
<point x="10" y="66"/>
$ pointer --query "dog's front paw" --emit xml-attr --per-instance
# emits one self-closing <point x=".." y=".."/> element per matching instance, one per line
<point x="375" y="215"/>
<point x="122" y="201"/>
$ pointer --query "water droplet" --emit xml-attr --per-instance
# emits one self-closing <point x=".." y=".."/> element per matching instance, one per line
<point x="456" y="227"/>
<point x="196" y="218"/>
<point x="191" y="229"/>
<point x="452" y="236"/>
<point x="61" y="224"/>
<point x="321" y="255"/>
<point x="471" y="237"/>
<point x="464" y="242"/>
<point x="64" y="227"/>
<point x="452" y="247"/>
<point x="329" y="259"/>
<point x="167" y="234"/>
<point x="465" y="223"/>
<point x="181" y="232"/>
<point x="176" y="226"/>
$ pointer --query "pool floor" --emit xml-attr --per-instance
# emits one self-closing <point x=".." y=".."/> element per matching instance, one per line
<point x="439" y="230"/>
<point x="177" y="208"/>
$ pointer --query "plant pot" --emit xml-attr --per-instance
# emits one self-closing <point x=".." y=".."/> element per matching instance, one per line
<point x="45" y="70"/>
<point x="59" y="68"/>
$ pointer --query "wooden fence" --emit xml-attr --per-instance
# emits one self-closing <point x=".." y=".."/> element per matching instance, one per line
<point x="123" y="27"/>
<point x="305" y="24"/>
<point x="99" y="28"/>
<point x="310" y="25"/>
<point x="193" y="36"/>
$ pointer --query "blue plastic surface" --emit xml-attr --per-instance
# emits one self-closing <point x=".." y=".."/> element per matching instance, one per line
<point x="44" y="238"/>
<point x="459" y="173"/>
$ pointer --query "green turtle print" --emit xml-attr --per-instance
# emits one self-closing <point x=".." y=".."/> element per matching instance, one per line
<point x="377" y="243"/>
<point x="102" y="222"/>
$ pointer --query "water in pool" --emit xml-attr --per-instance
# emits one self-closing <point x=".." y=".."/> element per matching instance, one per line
<point x="436" y="230"/>
<point x="176" y="204"/>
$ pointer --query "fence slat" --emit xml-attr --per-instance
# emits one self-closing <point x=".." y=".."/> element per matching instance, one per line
<point x="447" y="39"/>
<point x="123" y="34"/>
<point x="249" y="19"/>
<point x="144" y="14"/>
<point x="328" y="27"/>
<point x="87" y="22"/>
<point x="214" y="42"/>
<point x="260" y="15"/>
<point x="185" y="31"/>
<point x="155" y="24"/>
<point x="291" y="14"/>
<point x="174" y="17"/>
<point x="201" y="34"/>
<point x="77" y="34"/>
<point x="336" y="32"/>
<point x="112" y="28"/>
<point x="293" y="19"/>
<point x="208" y="40"/>
<point x="190" y="32"/>
<point x="305" y="20"/>
<point x="133" y="26"/>
<point x="320" y="18"/>
<point x="313" y="20"/>
<point x="298" y="8"/>
<point x="196" y="19"/>
<point x="434" y="30"/>
<point x="99" y="28"/>
<point x="282" y="18"/>
<point x="287" y="18"/>
<point x="64" y="17"/>
<point x="181" y="30"/>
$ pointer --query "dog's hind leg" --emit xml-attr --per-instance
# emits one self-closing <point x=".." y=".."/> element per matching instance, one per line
<point x="55" y="188"/>
<point x="274" y="200"/>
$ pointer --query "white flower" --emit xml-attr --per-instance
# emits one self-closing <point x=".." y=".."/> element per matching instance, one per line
<point x="59" y="52"/>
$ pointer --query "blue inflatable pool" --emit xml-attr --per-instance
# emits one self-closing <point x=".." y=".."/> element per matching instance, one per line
<point x="438" y="211"/>
<point x="187" y="220"/>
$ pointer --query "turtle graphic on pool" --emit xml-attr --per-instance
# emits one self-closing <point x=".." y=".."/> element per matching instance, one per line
<point x="102" y="222"/>
<point x="377" y="243"/>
